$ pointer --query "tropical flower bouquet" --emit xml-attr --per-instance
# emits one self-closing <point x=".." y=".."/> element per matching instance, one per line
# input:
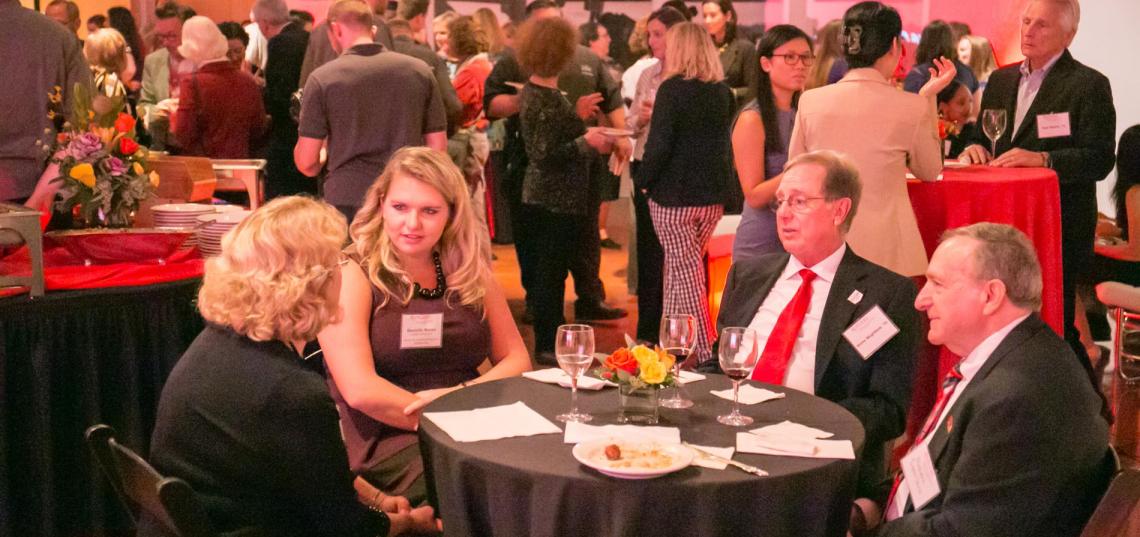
<point x="103" y="172"/>
<point x="640" y="372"/>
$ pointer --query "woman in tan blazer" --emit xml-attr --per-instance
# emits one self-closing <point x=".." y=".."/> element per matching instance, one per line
<point x="884" y="130"/>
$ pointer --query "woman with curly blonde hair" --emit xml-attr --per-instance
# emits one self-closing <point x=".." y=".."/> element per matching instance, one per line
<point x="421" y="312"/>
<point x="243" y="418"/>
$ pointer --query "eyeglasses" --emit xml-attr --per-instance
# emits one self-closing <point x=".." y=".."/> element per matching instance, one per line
<point x="798" y="204"/>
<point x="790" y="59"/>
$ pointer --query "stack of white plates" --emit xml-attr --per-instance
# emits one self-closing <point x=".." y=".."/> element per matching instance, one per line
<point x="182" y="216"/>
<point x="212" y="227"/>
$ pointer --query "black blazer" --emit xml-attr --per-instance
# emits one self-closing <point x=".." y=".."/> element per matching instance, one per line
<point x="876" y="390"/>
<point x="686" y="162"/>
<point x="1081" y="159"/>
<point x="285" y="53"/>
<point x="741" y="69"/>
<point x="1023" y="451"/>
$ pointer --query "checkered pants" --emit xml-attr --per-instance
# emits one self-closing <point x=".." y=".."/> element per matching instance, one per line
<point x="684" y="234"/>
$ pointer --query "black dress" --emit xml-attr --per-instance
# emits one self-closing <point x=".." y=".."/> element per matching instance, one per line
<point x="253" y="430"/>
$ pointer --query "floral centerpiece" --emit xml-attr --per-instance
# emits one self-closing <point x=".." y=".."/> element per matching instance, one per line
<point x="103" y="171"/>
<point x="640" y="372"/>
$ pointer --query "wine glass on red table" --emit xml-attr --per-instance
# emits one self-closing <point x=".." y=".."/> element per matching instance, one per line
<point x="738" y="352"/>
<point x="678" y="337"/>
<point x="993" y="125"/>
<point x="574" y="348"/>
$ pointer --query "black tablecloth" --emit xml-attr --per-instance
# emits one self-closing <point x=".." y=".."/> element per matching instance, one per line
<point x="69" y="360"/>
<point x="534" y="486"/>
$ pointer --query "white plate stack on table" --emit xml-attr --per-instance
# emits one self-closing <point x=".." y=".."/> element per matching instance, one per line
<point x="212" y="227"/>
<point x="182" y="216"/>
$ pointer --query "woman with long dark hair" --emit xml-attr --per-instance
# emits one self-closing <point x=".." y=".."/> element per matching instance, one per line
<point x="1119" y="260"/>
<point x="737" y="54"/>
<point x="762" y="132"/>
<point x="121" y="19"/>
<point x="937" y="42"/>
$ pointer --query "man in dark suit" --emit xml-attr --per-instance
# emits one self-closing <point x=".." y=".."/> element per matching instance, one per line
<point x="285" y="52"/>
<point x="817" y="198"/>
<point x="1059" y="115"/>
<point x="1015" y="445"/>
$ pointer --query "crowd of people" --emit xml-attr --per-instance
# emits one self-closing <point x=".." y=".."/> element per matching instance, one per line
<point x="396" y="134"/>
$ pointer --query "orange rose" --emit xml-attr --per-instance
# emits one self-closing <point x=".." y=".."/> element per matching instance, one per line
<point x="621" y="359"/>
<point x="124" y="123"/>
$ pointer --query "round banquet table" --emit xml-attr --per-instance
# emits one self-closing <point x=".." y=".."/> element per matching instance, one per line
<point x="533" y="485"/>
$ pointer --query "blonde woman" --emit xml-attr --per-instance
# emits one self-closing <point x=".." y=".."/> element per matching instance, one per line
<point x="829" y="65"/>
<point x="979" y="55"/>
<point x="243" y="417"/>
<point x="106" y="53"/>
<point x="686" y="170"/>
<point x="487" y="24"/>
<point x="421" y="312"/>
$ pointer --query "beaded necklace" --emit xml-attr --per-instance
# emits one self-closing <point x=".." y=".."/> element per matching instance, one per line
<point x="440" y="282"/>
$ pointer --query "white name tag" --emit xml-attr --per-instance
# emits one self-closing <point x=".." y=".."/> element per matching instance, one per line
<point x="1053" y="125"/>
<point x="921" y="481"/>
<point x="870" y="332"/>
<point x="421" y="331"/>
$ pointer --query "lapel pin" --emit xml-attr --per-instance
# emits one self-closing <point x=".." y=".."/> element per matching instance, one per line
<point x="855" y="297"/>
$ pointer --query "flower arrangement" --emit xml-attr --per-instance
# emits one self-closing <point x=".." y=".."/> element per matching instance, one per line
<point x="947" y="129"/>
<point x="638" y="366"/>
<point x="103" y="172"/>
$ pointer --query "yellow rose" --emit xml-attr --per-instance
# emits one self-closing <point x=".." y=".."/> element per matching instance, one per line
<point x="643" y="355"/>
<point x="137" y="168"/>
<point x="653" y="372"/>
<point x="84" y="173"/>
<point x="153" y="178"/>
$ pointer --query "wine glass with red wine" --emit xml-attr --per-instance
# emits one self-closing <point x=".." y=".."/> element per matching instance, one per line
<point x="738" y="353"/>
<point x="678" y="337"/>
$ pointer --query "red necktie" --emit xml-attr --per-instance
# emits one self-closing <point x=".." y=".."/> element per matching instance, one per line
<point x="778" y="350"/>
<point x="949" y="384"/>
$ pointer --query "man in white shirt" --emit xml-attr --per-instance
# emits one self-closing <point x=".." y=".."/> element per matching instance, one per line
<point x="848" y="334"/>
<point x="1015" y="445"/>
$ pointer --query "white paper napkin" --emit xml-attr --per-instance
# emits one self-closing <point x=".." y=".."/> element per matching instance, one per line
<point x="688" y="377"/>
<point x="577" y="433"/>
<point x="557" y="376"/>
<point x="700" y="459"/>
<point x="492" y="423"/>
<point x="750" y="395"/>
<point x="790" y="439"/>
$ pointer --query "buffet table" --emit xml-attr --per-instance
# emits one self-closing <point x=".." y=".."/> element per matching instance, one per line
<point x="534" y="486"/>
<point x="96" y="353"/>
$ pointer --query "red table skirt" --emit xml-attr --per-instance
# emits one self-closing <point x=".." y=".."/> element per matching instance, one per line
<point x="63" y="271"/>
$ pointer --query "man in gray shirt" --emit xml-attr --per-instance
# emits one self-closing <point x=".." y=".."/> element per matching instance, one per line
<point x="39" y="56"/>
<point x="365" y="104"/>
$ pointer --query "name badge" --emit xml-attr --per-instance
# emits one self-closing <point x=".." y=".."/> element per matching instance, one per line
<point x="921" y="480"/>
<point x="1053" y="125"/>
<point x="870" y="332"/>
<point x="421" y="331"/>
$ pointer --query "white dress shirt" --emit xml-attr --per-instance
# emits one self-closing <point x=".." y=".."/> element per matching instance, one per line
<point x="1027" y="88"/>
<point x="800" y="374"/>
<point x="968" y="367"/>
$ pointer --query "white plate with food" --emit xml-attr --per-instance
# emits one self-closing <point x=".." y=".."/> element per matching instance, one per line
<point x="632" y="459"/>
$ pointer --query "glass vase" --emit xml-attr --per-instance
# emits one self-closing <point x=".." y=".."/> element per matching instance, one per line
<point x="637" y="406"/>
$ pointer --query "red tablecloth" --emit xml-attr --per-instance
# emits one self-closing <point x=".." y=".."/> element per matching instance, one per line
<point x="63" y="271"/>
<point x="1026" y="198"/>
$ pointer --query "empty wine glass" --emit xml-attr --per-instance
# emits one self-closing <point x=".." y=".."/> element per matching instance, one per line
<point x="738" y="354"/>
<point x="574" y="348"/>
<point x="678" y="337"/>
<point x="993" y="124"/>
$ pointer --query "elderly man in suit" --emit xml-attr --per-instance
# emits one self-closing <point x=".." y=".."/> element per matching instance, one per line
<point x="1015" y="445"/>
<point x="1059" y="115"/>
<point x="807" y="306"/>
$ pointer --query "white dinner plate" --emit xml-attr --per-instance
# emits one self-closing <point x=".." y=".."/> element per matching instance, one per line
<point x="954" y="163"/>
<point x="669" y="458"/>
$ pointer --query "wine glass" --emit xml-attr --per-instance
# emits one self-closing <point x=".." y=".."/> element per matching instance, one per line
<point x="739" y="352"/>
<point x="574" y="348"/>
<point x="678" y="337"/>
<point x="993" y="124"/>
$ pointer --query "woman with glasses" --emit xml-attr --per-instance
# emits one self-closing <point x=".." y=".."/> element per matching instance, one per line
<point x="883" y="131"/>
<point x="686" y="171"/>
<point x="762" y="132"/>
<point x="421" y="313"/>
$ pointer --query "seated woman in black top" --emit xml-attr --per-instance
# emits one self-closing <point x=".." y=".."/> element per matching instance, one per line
<point x="686" y="170"/>
<point x="244" y="417"/>
<point x="1118" y="251"/>
<point x="954" y="126"/>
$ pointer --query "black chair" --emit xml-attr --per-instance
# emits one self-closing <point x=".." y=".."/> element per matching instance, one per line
<point x="168" y="501"/>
